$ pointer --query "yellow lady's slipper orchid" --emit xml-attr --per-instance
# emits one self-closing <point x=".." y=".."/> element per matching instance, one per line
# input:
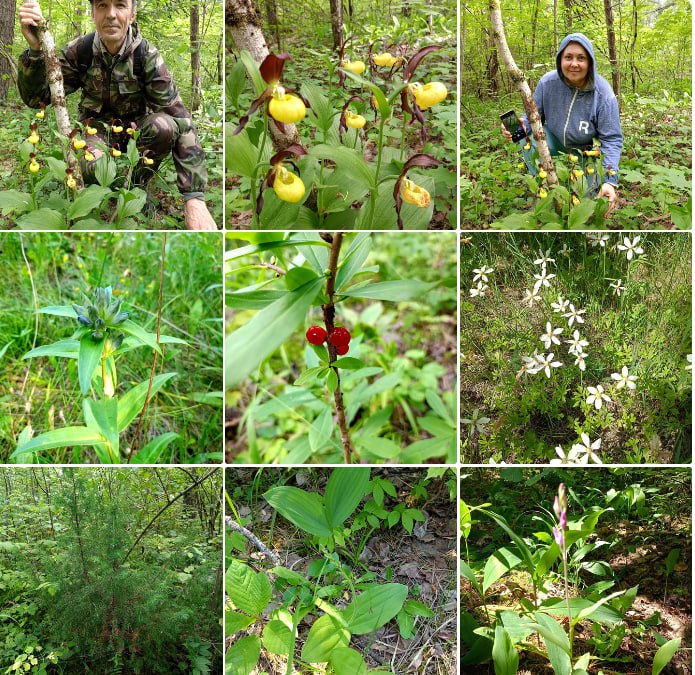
<point x="288" y="186"/>
<point x="427" y="95"/>
<point x="520" y="166"/>
<point x="542" y="193"/>
<point x="90" y="130"/>
<point x="575" y="200"/>
<point x="611" y="172"/>
<point x="148" y="160"/>
<point x="71" y="182"/>
<point x="592" y="153"/>
<point x="34" y="166"/>
<point x="577" y="173"/>
<point x="41" y="114"/>
<point x="385" y="59"/>
<point x="116" y="152"/>
<point x="88" y="156"/>
<point x="412" y="193"/>
<point x="527" y="146"/>
<point x="354" y="121"/>
<point x="356" y="67"/>
<point x="286" y="108"/>
<point x="33" y="138"/>
<point x="130" y="131"/>
<point x="590" y="169"/>
<point x="78" y="143"/>
<point x="572" y="158"/>
<point x="542" y="173"/>
<point x="116" y="128"/>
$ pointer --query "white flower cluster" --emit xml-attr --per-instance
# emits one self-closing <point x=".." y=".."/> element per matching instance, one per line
<point x="481" y="277"/>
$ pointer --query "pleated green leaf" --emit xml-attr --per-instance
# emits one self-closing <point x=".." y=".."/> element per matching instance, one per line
<point x="303" y="509"/>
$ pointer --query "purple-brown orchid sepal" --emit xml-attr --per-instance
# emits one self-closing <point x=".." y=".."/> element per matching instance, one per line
<point x="342" y="126"/>
<point x="271" y="72"/>
<point x="294" y="150"/>
<point x="408" y="72"/>
<point x="341" y="58"/>
<point x="422" y="160"/>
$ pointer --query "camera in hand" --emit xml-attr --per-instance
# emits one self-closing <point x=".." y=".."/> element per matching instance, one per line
<point x="513" y="125"/>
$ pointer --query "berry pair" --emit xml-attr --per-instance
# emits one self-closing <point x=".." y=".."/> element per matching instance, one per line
<point x="339" y="338"/>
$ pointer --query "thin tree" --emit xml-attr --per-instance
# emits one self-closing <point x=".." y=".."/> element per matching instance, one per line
<point x="271" y="14"/>
<point x="612" y="52"/>
<point x="522" y="85"/>
<point x="633" y="43"/>
<point x="337" y="23"/>
<point x="195" y="56"/>
<point x="7" y="10"/>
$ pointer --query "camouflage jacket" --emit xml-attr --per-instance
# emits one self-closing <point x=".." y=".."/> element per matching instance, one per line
<point x="110" y="89"/>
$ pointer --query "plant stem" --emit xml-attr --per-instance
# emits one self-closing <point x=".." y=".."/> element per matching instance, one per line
<point x="328" y="318"/>
<point x="264" y="137"/>
<point x="379" y="156"/>
<point x="567" y="600"/>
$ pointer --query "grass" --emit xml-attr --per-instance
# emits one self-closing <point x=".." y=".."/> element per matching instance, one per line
<point x="647" y="329"/>
<point x="43" y="392"/>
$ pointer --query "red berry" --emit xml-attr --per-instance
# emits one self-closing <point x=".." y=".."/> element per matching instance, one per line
<point x="316" y="335"/>
<point x="342" y="349"/>
<point x="340" y="337"/>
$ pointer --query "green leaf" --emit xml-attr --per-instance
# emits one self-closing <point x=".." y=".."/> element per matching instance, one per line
<point x="68" y="349"/>
<point x="277" y="638"/>
<point x="467" y="572"/>
<point x="60" y="438"/>
<point x="130" y="404"/>
<point x="556" y="642"/>
<point x="383" y="448"/>
<point x="664" y="655"/>
<point x="102" y="416"/>
<point x="87" y="361"/>
<point x="581" y="213"/>
<point x="241" y="155"/>
<point x="241" y="658"/>
<point x="249" y="591"/>
<point x="603" y="614"/>
<point x="300" y="239"/>
<point x="344" y="491"/>
<point x="497" y="565"/>
<point x="247" y="347"/>
<point x="504" y="655"/>
<point x="351" y="160"/>
<point x="42" y="219"/>
<point x="349" y="363"/>
<point x="303" y="509"/>
<point x="346" y="661"/>
<point x="374" y="607"/>
<point x="352" y="263"/>
<point x="59" y="310"/>
<point x="521" y="545"/>
<point x="13" y="200"/>
<point x="57" y="168"/>
<point x="393" y="291"/>
<point x="415" y="608"/>
<point x="105" y="171"/>
<point x="325" y="635"/>
<point x="320" y="107"/>
<point x="234" y="84"/>
<point x="252" y="299"/>
<point x="672" y="559"/>
<point x="383" y="105"/>
<point x="588" y="612"/>
<point x="139" y="333"/>
<point x="151" y="452"/>
<point x="88" y="200"/>
<point x="254" y="71"/>
<point x="331" y="381"/>
<point x="234" y="622"/>
<point x="321" y="429"/>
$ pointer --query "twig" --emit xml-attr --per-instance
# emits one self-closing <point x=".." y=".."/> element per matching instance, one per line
<point x="36" y="309"/>
<point x="275" y="268"/>
<point x="232" y="524"/>
<point x="328" y="319"/>
<point x="154" y="361"/>
<point x="429" y="639"/>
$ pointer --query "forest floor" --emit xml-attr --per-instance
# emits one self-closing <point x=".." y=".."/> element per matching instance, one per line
<point x="655" y="168"/>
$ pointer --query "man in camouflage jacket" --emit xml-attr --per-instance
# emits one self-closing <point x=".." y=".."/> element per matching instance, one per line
<point x="125" y="85"/>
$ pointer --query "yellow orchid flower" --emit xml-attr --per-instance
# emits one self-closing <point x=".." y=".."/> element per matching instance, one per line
<point x="577" y="173"/>
<point x="357" y="67"/>
<point x="412" y="193"/>
<point x="116" y="152"/>
<point x="71" y="182"/>
<point x="427" y="95"/>
<point x="34" y="166"/>
<point x="41" y="114"/>
<point x="542" y="193"/>
<point x="575" y="200"/>
<point x="88" y="156"/>
<point x="286" y="108"/>
<point x="148" y="160"/>
<point x="288" y="186"/>
<point x="572" y="158"/>
<point x="590" y="169"/>
<point x="116" y="128"/>
<point x="354" y="121"/>
<point x="527" y="146"/>
<point x="78" y="143"/>
<point x="542" y="173"/>
<point x="33" y="138"/>
<point x="90" y="130"/>
<point x="385" y="59"/>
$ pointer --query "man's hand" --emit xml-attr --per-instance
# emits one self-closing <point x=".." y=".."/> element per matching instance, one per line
<point x="198" y="217"/>
<point x="610" y="192"/>
<point x="29" y="17"/>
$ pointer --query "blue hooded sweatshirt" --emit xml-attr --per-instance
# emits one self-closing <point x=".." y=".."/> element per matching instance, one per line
<point x="577" y="116"/>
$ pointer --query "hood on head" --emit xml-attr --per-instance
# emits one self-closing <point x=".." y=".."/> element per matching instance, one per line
<point x="584" y="41"/>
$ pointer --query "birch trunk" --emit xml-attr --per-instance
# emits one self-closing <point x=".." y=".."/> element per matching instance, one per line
<point x="612" y="51"/>
<point x="522" y="85"/>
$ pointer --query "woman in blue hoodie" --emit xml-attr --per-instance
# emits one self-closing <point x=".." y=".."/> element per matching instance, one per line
<point x="577" y="105"/>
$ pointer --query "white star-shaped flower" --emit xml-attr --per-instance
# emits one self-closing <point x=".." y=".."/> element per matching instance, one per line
<point x="624" y="379"/>
<point x="579" y="361"/>
<point x="689" y="358"/>
<point x="631" y="247"/>
<point x="530" y="297"/>
<point x="617" y="287"/>
<point x="476" y="422"/>
<point x="574" y="315"/>
<point x="560" y="306"/>
<point x="597" y="396"/>
<point x="596" y="239"/>
<point x="586" y="450"/>
<point x="479" y="290"/>
<point x="482" y="273"/>
<point x="576" y="344"/>
<point x="543" y="258"/>
<point x="546" y="363"/>
<point x="542" y="279"/>
<point x="551" y="335"/>
<point x="570" y="458"/>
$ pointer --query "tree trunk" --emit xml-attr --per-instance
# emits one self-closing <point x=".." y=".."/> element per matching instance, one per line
<point x="568" y="17"/>
<point x="519" y="79"/>
<point x="633" y="76"/>
<point x="243" y="27"/>
<point x="337" y="23"/>
<point x="78" y="15"/>
<point x="612" y="53"/>
<point x="195" y="56"/>
<point x="534" y="30"/>
<point x="493" y="66"/>
<point x="7" y="10"/>
<point x="271" y="13"/>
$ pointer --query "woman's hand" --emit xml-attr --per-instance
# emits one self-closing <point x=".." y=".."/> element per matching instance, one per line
<point x="610" y="192"/>
<point x="506" y="133"/>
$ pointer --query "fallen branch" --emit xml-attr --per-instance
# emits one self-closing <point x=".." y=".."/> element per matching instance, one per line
<point x="233" y="525"/>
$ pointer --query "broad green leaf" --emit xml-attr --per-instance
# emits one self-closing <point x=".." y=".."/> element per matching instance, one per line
<point x="87" y="360"/>
<point x="497" y="565"/>
<point x="249" y="591"/>
<point x="289" y="575"/>
<point x="151" y="452"/>
<point x="253" y="70"/>
<point x="57" y="168"/>
<point x="130" y="404"/>
<point x="247" y="347"/>
<point x="234" y="84"/>
<point x="303" y="509"/>
<point x="415" y="608"/>
<point x="139" y="333"/>
<point x="320" y="106"/>
<point x="67" y="437"/>
<point x="13" y="200"/>
<point x="393" y="291"/>
<point x="664" y="655"/>
<point x="88" y="200"/>
<point x="603" y="614"/>
<point x="345" y="488"/>
<point x="346" y="661"/>
<point x="297" y="240"/>
<point x="521" y="545"/>
<point x="321" y="429"/>
<point x="324" y="636"/>
<point x="375" y="606"/>
<point x="556" y="642"/>
<point x="467" y="572"/>
<point x="68" y="349"/>
<point x="351" y="160"/>
<point x="277" y="638"/>
<point x="253" y="299"/>
<point x="587" y="612"/>
<point x="241" y="658"/>
<point x="234" y="622"/>
<point x="504" y="655"/>
<point x="352" y="263"/>
<point x="383" y="448"/>
<point x="349" y="363"/>
<point x="241" y="155"/>
<point x="518" y="626"/>
<point x="102" y="416"/>
<point x="105" y="170"/>
<point x="581" y="213"/>
<point x="41" y="219"/>
<point x="59" y="310"/>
